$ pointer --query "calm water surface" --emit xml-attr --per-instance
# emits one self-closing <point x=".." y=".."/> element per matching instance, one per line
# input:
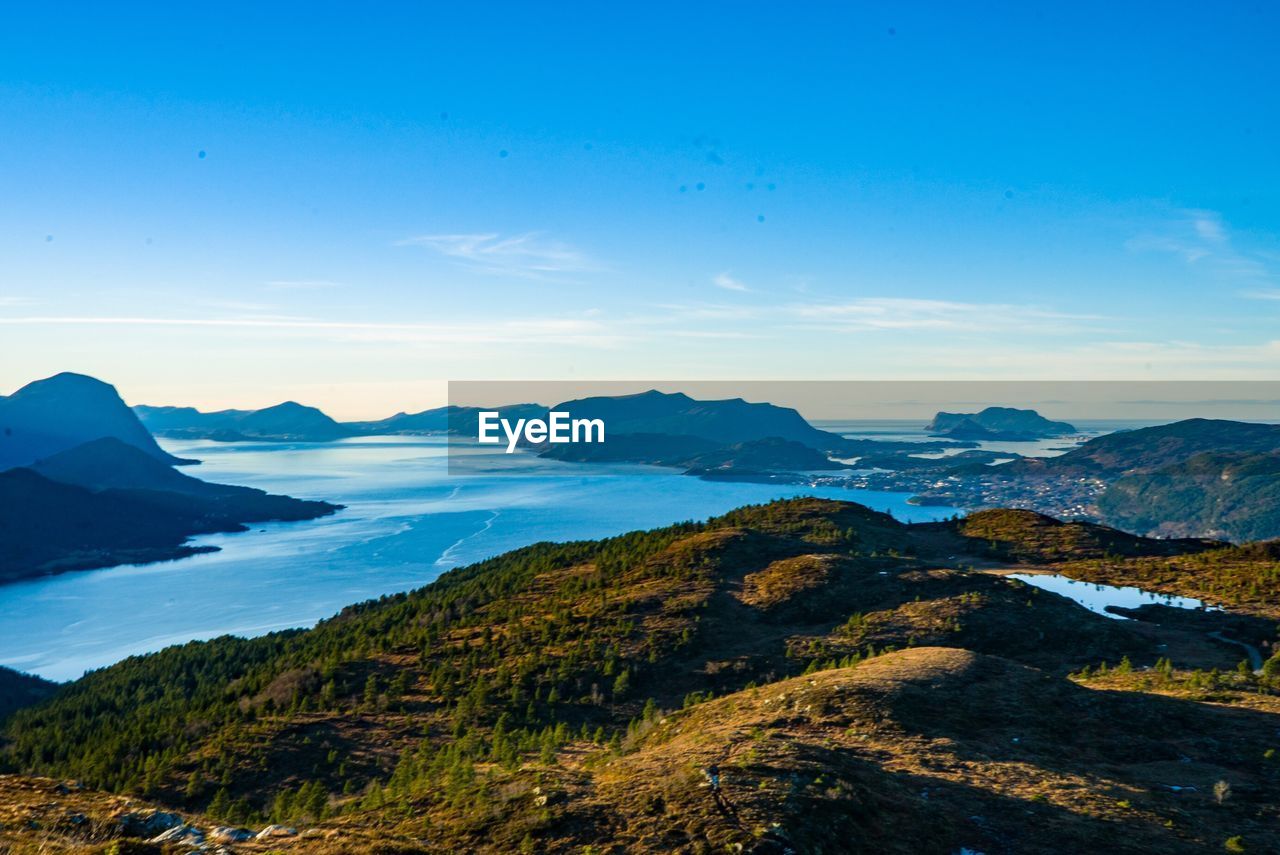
<point x="409" y="517"/>
<point x="1098" y="598"/>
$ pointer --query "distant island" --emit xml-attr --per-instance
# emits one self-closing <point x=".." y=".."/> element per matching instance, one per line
<point x="1005" y="424"/>
<point x="84" y="485"/>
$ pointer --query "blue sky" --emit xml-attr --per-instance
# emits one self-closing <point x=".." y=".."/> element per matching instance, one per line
<point x="229" y="204"/>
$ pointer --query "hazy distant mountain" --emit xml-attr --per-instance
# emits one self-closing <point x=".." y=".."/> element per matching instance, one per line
<point x="428" y="421"/>
<point x="63" y="411"/>
<point x="997" y="423"/>
<point x="162" y="420"/>
<point x="459" y="421"/>
<point x="287" y="422"/>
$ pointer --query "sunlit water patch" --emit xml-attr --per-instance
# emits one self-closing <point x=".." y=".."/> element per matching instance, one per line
<point x="1098" y="598"/>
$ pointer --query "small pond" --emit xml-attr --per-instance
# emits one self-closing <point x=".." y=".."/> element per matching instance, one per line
<point x="1096" y="597"/>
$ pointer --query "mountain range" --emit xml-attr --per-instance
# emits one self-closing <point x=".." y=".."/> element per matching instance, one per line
<point x="665" y="429"/>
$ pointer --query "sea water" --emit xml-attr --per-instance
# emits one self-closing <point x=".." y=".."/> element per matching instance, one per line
<point x="409" y="517"/>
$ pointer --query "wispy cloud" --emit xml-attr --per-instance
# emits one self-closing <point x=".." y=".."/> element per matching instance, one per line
<point x="237" y="306"/>
<point x="301" y="284"/>
<point x="1263" y="294"/>
<point x="728" y="283"/>
<point x="934" y="318"/>
<point x="900" y="313"/>
<point x="1201" y="238"/>
<point x="573" y="331"/>
<point x="1208" y="225"/>
<point x="530" y="255"/>
<point x="1177" y="359"/>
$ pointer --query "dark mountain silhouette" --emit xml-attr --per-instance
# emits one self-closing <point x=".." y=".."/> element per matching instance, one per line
<point x="108" y="464"/>
<point x="48" y="527"/>
<point x="63" y="411"/>
<point x="724" y="422"/>
<point x="998" y="423"/>
<point x="709" y="437"/>
<point x="106" y="503"/>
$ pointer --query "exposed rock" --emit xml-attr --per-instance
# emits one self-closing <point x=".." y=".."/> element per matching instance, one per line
<point x="226" y="834"/>
<point x="187" y="834"/>
<point x="276" y="831"/>
<point x="146" y="824"/>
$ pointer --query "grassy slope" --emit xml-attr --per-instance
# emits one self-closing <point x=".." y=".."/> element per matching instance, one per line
<point x="434" y="716"/>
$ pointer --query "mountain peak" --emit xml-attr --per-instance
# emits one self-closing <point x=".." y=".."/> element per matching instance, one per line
<point x="61" y="412"/>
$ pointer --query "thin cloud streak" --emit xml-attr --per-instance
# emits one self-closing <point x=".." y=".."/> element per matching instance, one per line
<point x="1201" y="238"/>
<point x="1264" y="294"/>
<point x="897" y="313"/>
<point x="547" y="330"/>
<point x="884" y="313"/>
<point x="528" y="255"/>
<point x="301" y="284"/>
<point x="728" y="283"/>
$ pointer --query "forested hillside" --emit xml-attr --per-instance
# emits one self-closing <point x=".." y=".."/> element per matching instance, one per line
<point x="493" y="707"/>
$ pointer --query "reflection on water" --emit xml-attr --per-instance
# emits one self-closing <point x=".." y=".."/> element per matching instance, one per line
<point x="1096" y="598"/>
<point x="408" y="519"/>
